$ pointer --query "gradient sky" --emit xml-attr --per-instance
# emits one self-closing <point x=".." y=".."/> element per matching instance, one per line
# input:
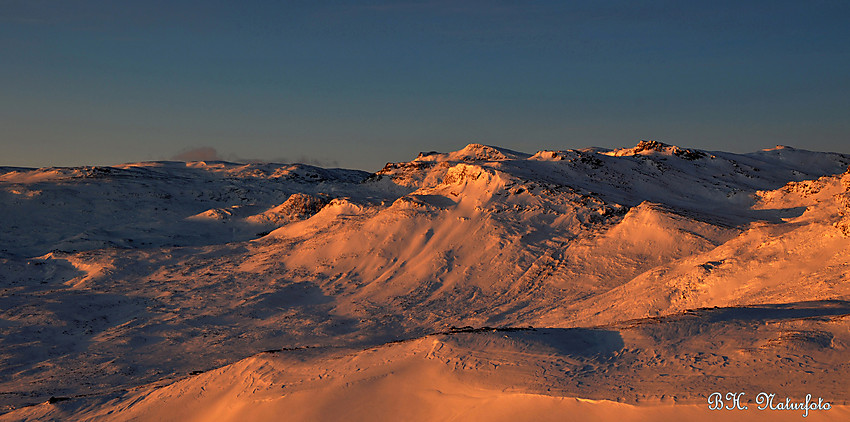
<point x="359" y="83"/>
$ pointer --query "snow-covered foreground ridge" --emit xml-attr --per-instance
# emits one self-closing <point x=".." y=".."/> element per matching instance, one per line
<point x="116" y="280"/>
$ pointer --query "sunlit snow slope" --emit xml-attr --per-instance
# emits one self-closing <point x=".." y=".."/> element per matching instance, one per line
<point x="118" y="279"/>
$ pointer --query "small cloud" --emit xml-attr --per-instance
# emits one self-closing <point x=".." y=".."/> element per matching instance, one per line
<point x="198" y="154"/>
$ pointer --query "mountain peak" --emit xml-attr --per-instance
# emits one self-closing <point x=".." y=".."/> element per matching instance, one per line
<point x="648" y="147"/>
<point x="779" y="147"/>
<point x="474" y="152"/>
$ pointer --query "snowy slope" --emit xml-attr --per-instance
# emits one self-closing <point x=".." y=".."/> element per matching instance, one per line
<point x="667" y="367"/>
<point x="149" y="204"/>
<point x="117" y="277"/>
<point x="804" y="256"/>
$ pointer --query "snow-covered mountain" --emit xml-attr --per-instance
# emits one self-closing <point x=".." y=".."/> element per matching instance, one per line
<point x="120" y="279"/>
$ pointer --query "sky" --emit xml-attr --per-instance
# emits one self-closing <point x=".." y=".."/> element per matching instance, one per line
<point x="357" y="84"/>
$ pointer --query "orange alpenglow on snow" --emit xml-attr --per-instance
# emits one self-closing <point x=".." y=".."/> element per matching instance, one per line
<point x="647" y="283"/>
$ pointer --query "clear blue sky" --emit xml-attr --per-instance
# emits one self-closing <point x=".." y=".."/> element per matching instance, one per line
<point x="360" y="83"/>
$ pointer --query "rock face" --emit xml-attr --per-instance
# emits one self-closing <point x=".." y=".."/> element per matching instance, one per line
<point x="650" y="147"/>
<point x="843" y="201"/>
<point x="298" y="206"/>
<point x="114" y="278"/>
